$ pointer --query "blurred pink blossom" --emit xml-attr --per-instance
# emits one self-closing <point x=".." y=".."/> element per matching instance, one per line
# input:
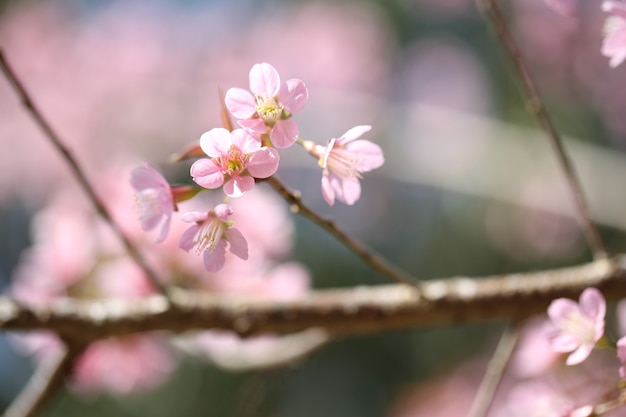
<point x="567" y="8"/>
<point x="210" y="234"/>
<point x="236" y="159"/>
<point x="614" y="44"/>
<point x="268" y="109"/>
<point x="533" y="355"/>
<point x="579" y="326"/>
<point x="621" y="355"/>
<point x="343" y="162"/>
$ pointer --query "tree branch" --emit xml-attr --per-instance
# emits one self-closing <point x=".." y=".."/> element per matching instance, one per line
<point x="338" y="311"/>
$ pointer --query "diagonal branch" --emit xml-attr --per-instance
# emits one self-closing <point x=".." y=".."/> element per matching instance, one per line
<point x="340" y="312"/>
<point x="537" y="109"/>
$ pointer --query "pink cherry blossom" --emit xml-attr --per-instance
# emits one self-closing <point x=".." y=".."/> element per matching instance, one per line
<point x="268" y="108"/>
<point x="614" y="45"/>
<point x="210" y="234"/>
<point x="578" y="325"/>
<point x="155" y="199"/>
<point x="343" y="161"/>
<point x="236" y="159"/>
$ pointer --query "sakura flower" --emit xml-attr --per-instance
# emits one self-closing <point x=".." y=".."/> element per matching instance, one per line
<point x="236" y="159"/>
<point x="614" y="44"/>
<point x="343" y="161"/>
<point x="210" y="233"/>
<point x="268" y="108"/>
<point x="155" y="199"/>
<point x="578" y="325"/>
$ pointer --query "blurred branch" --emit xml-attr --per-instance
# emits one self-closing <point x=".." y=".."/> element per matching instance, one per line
<point x="536" y="107"/>
<point x="78" y="172"/>
<point x="372" y="259"/>
<point x="337" y="311"/>
<point x="495" y="371"/>
<point x="49" y="377"/>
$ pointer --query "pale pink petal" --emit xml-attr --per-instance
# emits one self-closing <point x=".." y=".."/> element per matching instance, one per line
<point x="264" y="80"/>
<point x="370" y="155"/>
<point x="263" y="163"/>
<point x="236" y="186"/>
<point x="206" y="174"/>
<point x="240" y="103"/>
<point x="614" y="46"/>
<point x="617" y="8"/>
<point x="244" y="141"/>
<point x="223" y="211"/>
<point x="348" y="190"/>
<point x="593" y="304"/>
<point x="561" y="308"/>
<point x="327" y="190"/>
<point x="214" y="259"/>
<point x="194" y="217"/>
<point x="164" y="229"/>
<point x="284" y="133"/>
<point x="353" y="134"/>
<point x="293" y="95"/>
<point x="255" y="127"/>
<point x="215" y="142"/>
<point x="564" y="343"/>
<point x="579" y="355"/>
<point x="147" y="177"/>
<point x="238" y="243"/>
<point x="186" y="239"/>
<point x="621" y="355"/>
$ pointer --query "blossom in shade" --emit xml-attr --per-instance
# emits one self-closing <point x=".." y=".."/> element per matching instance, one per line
<point x="267" y="109"/>
<point x="621" y="355"/>
<point x="614" y="44"/>
<point x="155" y="199"/>
<point x="210" y="234"/>
<point x="343" y="162"/>
<point x="579" y="326"/>
<point x="236" y="158"/>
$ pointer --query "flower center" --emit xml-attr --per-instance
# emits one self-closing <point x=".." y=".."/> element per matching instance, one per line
<point x="232" y="162"/>
<point x="580" y="326"/>
<point x="209" y="234"/>
<point x="269" y="110"/>
<point x="340" y="161"/>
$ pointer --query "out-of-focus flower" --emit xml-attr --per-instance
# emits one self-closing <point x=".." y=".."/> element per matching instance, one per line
<point x="210" y="233"/>
<point x="567" y="8"/>
<point x="343" y="162"/>
<point x="621" y="355"/>
<point x="269" y="107"/>
<point x="155" y="200"/>
<point x="236" y="159"/>
<point x="614" y="44"/>
<point x="579" y="325"/>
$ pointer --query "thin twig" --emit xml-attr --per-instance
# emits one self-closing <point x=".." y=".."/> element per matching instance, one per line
<point x="47" y="380"/>
<point x="78" y="172"/>
<point x="371" y="258"/>
<point x="495" y="371"/>
<point x="537" y="108"/>
<point x="339" y="312"/>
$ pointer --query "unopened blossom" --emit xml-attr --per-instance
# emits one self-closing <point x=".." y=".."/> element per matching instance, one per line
<point x="268" y="108"/>
<point x="236" y="159"/>
<point x="210" y="234"/>
<point x="614" y="44"/>
<point x="343" y="161"/>
<point x="579" y="326"/>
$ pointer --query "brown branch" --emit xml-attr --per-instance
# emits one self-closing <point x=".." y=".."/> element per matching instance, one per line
<point x="377" y="262"/>
<point x="76" y="169"/>
<point x="48" y="379"/>
<point x="536" y="108"/>
<point x="338" y="311"/>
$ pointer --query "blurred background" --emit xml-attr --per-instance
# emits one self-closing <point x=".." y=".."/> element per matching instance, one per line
<point x="470" y="186"/>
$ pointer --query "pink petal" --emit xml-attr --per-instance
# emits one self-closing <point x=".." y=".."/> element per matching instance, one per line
<point x="579" y="355"/>
<point x="263" y="163"/>
<point x="264" y="80"/>
<point x="194" y="217"/>
<point x="186" y="239"/>
<point x="615" y="7"/>
<point x="214" y="259"/>
<point x="564" y="343"/>
<point x="327" y="190"/>
<point x="293" y="95"/>
<point x="621" y="349"/>
<point x="614" y="47"/>
<point x="236" y="186"/>
<point x="593" y="304"/>
<point x="223" y="211"/>
<point x="216" y="142"/>
<point x="349" y="190"/>
<point x="353" y="134"/>
<point x="244" y="141"/>
<point x="370" y="155"/>
<point x="238" y="243"/>
<point x="255" y="127"/>
<point x="284" y="133"/>
<point x="240" y="103"/>
<point x="206" y="174"/>
<point x="561" y="308"/>
<point x="164" y="230"/>
<point x="147" y="177"/>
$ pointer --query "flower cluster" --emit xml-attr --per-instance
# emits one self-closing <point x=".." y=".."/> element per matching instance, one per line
<point x="237" y="158"/>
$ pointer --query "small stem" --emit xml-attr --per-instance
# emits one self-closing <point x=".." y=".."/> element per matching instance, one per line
<point x="537" y="109"/>
<point x="495" y="371"/>
<point x="78" y="172"/>
<point x="374" y="260"/>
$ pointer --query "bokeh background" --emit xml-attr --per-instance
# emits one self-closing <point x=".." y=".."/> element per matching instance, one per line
<point x="470" y="186"/>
